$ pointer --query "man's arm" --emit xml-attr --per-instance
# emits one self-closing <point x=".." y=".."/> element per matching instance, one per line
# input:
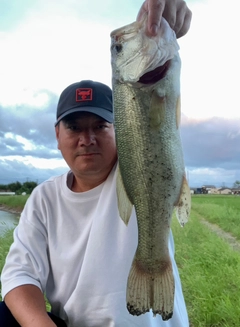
<point x="176" y="13"/>
<point x="27" y="305"/>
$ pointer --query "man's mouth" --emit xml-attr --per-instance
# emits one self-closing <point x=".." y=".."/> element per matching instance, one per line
<point x="87" y="154"/>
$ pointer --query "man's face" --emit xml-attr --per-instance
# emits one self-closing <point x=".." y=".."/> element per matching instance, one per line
<point x="87" y="143"/>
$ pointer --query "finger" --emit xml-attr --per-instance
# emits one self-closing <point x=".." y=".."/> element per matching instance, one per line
<point x="170" y="13"/>
<point x="142" y="10"/>
<point x="170" y="18"/>
<point x="182" y="27"/>
<point x="155" y="11"/>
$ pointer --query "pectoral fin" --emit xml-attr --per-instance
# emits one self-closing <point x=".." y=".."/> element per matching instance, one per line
<point x="184" y="203"/>
<point x="124" y="204"/>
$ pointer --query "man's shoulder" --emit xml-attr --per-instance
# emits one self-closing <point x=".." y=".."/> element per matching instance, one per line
<point x="51" y="183"/>
<point x="46" y="193"/>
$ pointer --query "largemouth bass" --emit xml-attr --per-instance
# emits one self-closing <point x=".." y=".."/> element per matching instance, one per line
<point x="151" y="175"/>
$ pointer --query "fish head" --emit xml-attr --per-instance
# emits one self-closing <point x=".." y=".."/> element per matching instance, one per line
<point x="134" y="53"/>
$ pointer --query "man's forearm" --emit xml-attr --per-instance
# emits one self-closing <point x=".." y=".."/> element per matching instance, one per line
<point x="27" y="305"/>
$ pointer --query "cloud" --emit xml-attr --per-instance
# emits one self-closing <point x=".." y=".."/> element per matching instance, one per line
<point x="211" y="142"/>
<point x="47" y="45"/>
<point x="211" y="150"/>
<point x="15" y="170"/>
<point x="58" y="43"/>
<point x="210" y="62"/>
<point x="28" y="145"/>
<point x="218" y="177"/>
<point x="29" y="129"/>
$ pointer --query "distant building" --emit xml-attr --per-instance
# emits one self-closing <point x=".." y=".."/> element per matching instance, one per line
<point x="7" y="193"/>
<point x="196" y="190"/>
<point x="224" y="190"/>
<point x="207" y="188"/>
<point x="213" y="191"/>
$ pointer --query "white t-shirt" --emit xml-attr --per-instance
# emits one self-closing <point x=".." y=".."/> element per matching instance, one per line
<point x="76" y="249"/>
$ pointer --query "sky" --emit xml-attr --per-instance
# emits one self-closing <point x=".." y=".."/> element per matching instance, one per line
<point x="47" y="45"/>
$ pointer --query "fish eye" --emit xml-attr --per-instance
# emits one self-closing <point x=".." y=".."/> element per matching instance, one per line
<point x="118" y="48"/>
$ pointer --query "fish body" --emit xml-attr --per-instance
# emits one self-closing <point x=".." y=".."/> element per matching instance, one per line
<point x="151" y="172"/>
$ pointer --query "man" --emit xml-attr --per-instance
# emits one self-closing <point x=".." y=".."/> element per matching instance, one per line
<point x="70" y="242"/>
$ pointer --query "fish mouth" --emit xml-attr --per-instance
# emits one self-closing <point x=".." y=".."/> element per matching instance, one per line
<point x="155" y="75"/>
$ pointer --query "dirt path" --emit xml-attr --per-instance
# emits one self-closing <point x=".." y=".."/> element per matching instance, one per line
<point x="229" y="238"/>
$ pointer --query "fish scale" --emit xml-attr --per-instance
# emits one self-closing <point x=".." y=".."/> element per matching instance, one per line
<point x="151" y="173"/>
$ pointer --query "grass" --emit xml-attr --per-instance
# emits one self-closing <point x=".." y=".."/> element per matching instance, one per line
<point x="223" y="211"/>
<point x="208" y="266"/>
<point x="209" y="271"/>
<point x="5" y="242"/>
<point x="16" y="202"/>
<point x="229" y="200"/>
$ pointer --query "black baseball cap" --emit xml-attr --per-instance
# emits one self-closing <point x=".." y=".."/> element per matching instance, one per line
<point x="86" y="96"/>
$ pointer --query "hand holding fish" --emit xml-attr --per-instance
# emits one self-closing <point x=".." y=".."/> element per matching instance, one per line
<point x="176" y="12"/>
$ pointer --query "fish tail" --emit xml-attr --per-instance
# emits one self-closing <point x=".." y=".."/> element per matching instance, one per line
<point x="147" y="290"/>
<point x="163" y="293"/>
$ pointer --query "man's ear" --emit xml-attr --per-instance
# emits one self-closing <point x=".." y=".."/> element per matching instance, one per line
<point x="57" y="135"/>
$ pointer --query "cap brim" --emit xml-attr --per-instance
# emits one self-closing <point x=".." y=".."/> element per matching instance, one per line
<point x="101" y="112"/>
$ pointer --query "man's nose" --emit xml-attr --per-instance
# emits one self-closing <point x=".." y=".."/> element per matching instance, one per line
<point x="86" y="138"/>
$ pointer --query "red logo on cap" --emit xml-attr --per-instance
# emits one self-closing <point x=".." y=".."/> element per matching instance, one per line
<point x="83" y="94"/>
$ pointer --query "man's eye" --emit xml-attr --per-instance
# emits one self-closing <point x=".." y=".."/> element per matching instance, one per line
<point x="101" y="126"/>
<point x="73" y="128"/>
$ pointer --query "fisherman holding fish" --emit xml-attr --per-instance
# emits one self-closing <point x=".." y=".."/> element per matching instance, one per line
<point x="71" y="243"/>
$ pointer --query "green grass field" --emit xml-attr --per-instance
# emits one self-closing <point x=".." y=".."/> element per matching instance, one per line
<point x="223" y="210"/>
<point x="13" y="201"/>
<point x="209" y="267"/>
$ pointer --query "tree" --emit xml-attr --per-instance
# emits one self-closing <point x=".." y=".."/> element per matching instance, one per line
<point x="236" y="184"/>
<point x="19" y="188"/>
<point x="3" y="187"/>
<point x="28" y="187"/>
<point x="14" y="187"/>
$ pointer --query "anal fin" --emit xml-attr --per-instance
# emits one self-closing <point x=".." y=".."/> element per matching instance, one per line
<point x="183" y="206"/>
